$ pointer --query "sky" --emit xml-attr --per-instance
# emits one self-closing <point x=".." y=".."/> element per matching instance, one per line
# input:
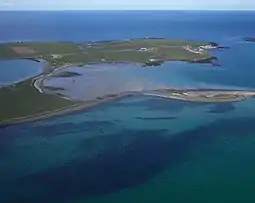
<point x="127" y="4"/>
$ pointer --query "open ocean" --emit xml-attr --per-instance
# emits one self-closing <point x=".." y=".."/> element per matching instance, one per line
<point x="137" y="149"/>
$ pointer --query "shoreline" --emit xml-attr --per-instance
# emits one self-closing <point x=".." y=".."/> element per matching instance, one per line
<point x="65" y="111"/>
<point x="241" y="95"/>
<point x="237" y="99"/>
<point x="49" y="69"/>
<point x="203" y="95"/>
<point x="35" y="59"/>
<point x="37" y="81"/>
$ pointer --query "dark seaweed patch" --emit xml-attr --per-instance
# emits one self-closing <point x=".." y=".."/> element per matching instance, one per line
<point x="222" y="108"/>
<point x="156" y="118"/>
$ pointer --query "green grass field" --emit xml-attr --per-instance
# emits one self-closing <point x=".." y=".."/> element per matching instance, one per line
<point x="127" y="50"/>
<point x="23" y="100"/>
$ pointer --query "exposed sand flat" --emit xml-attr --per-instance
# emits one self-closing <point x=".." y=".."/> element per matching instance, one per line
<point x="203" y="95"/>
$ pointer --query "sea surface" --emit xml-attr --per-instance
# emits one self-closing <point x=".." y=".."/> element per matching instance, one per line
<point x="17" y="70"/>
<point x="138" y="149"/>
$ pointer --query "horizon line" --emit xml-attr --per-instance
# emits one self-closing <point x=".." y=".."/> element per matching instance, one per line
<point x="127" y="9"/>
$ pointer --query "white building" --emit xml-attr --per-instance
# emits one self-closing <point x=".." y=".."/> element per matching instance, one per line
<point x="152" y="60"/>
<point x="208" y="46"/>
<point x="143" y="49"/>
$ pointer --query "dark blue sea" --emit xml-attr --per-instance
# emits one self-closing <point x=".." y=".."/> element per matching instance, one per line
<point x="138" y="149"/>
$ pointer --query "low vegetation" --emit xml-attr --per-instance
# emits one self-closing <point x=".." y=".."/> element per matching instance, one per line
<point x="22" y="100"/>
<point x="135" y="50"/>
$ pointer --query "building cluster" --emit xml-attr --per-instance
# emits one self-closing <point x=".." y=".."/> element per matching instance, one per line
<point x="200" y="49"/>
<point x="146" y="49"/>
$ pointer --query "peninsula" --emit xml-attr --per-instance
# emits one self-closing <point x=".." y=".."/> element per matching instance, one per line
<point x="27" y="100"/>
<point x="203" y="95"/>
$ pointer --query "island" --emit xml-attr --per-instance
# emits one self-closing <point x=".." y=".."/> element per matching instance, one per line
<point x="27" y="100"/>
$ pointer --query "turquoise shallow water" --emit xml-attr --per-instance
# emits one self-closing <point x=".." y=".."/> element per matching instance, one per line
<point x="135" y="150"/>
<point x="138" y="149"/>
